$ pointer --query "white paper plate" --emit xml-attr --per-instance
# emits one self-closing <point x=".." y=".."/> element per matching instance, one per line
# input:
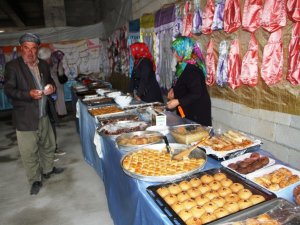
<point x="270" y="169"/>
<point x="242" y="157"/>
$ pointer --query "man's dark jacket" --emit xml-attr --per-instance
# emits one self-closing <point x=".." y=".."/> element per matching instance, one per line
<point x="18" y="82"/>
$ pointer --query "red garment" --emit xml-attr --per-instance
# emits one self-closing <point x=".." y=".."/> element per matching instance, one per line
<point x="273" y="15"/>
<point x="232" y="16"/>
<point x="187" y="20"/>
<point x="251" y="15"/>
<point x="210" y="62"/>
<point x="293" y="10"/>
<point x="272" y="63"/>
<point x="208" y="16"/>
<point x="234" y="65"/>
<point x="140" y="50"/>
<point x="293" y="75"/>
<point x="249" y="71"/>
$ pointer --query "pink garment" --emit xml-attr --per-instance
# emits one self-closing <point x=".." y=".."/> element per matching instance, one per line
<point x="272" y="63"/>
<point x="234" y="65"/>
<point x="273" y="15"/>
<point x="293" y="75"/>
<point x="249" y="71"/>
<point x="208" y="16"/>
<point x="293" y="10"/>
<point x="232" y="16"/>
<point x="251" y="15"/>
<point x="210" y="62"/>
<point x="187" y="20"/>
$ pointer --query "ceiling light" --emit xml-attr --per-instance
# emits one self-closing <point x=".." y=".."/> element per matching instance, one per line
<point x="1" y="31"/>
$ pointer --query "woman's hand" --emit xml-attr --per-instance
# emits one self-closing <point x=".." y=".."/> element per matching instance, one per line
<point x="172" y="104"/>
<point x="171" y="94"/>
<point x="49" y="89"/>
<point x="137" y="98"/>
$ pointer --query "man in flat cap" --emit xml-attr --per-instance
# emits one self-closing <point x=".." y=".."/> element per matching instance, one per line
<point x="28" y="84"/>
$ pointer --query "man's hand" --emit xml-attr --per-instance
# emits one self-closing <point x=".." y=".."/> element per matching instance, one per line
<point x="36" y="94"/>
<point x="49" y="89"/>
<point x="172" y="104"/>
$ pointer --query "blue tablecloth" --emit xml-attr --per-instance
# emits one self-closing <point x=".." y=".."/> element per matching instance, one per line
<point x="128" y="200"/>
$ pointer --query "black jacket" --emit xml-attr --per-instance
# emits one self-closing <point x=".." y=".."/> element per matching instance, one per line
<point x="143" y="80"/>
<point x="191" y="91"/>
<point x="17" y="85"/>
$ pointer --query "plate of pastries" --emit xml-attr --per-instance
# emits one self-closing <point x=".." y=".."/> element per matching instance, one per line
<point x="133" y="140"/>
<point x="276" y="178"/>
<point x="207" y="196"/>
<point x="116" y="118"/>
<point x="225" y="143"/>
<point x="248" y="163"/>
<point x="154" y="164"/>
<point x="189" y="133"/>
<point x="111" y="109"/>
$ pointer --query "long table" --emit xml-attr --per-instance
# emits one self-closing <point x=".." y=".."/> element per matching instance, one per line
<point x="128" y="200"/>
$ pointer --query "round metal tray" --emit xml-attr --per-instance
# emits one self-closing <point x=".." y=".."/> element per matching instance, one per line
<point x="119" y="123"/>
<point x="137" y="133"/>
<point x="197" y="153"/>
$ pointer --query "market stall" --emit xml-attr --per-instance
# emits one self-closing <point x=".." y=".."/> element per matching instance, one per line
<point x="128" y="196"/>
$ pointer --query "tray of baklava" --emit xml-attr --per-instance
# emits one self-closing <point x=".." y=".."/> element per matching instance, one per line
<point x="105" y="110"/>
<point x="113" y="130"/>
<point x="229" y="144"/>
<point x="134" y="140"/>
<point x="207" y="196"/>
<point x="103" y="120"/>
<point x="153" y="163"/>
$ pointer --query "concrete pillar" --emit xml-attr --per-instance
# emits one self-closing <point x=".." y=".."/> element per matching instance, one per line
<point x="54" y="13"/>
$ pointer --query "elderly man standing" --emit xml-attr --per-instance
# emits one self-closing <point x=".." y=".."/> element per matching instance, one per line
<point x="28" y="84"/>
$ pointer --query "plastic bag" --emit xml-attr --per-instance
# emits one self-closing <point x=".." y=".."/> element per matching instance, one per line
<point x="232" y="16"/>
<point x="218" y="21"/>
<point x="208" y="15"/>
<point x="273" y="15"/>
<point x="234" y="64"/>
<point x="293" y="75"/>
<point x="187" y="20"/>
<point x="251" y="15"/>
<point x="293" y="10"/>
<point x="210" y="62"/>
<point x="272" y="63"/>
<point x="222" y="70"/>
<point x="249" y="71"/>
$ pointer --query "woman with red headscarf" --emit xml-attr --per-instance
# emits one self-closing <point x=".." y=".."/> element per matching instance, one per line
<point x="143" y="81"/>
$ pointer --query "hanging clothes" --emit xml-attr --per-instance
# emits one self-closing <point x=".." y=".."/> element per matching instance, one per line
<point x="273" y="15"/>
<point x="293" y="10"/>
<point x="187" y="20"/>
<point x="251" y="15"/>
<point x="210" y="61"/>
<point x="218" y="21"/>
<point x="232" y="16"/>
<point x="249" y="71"/>
<point x="234" y="64"/>
<point x="178" y="24"/>
<point x="272" y="63"/>
<point x="208" y="16"/>
<point x="293" y="75"/>
<point x="197" y="18"/>
<point x="222" y="70"/>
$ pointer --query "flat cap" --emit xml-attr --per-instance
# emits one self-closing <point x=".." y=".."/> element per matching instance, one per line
<point x="30" y="37"/>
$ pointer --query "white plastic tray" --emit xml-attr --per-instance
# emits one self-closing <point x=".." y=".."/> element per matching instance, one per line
<point x="270" y="169"/>
<point x="242" y="157"/>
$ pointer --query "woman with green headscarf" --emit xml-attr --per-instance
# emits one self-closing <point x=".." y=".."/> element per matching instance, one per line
<point x="190" y="91"/>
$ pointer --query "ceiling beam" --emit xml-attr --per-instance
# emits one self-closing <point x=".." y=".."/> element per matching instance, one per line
<point x="11" y="13"/>
<point x="54" y="13"/>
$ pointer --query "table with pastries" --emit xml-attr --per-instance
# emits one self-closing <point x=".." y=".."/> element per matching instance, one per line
<point x="127" y="197"/>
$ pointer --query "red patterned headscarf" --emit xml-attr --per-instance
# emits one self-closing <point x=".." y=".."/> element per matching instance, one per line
<point x="140" y="50"/>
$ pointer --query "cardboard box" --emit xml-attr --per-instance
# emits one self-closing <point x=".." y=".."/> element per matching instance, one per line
<point x="158" y="118"/>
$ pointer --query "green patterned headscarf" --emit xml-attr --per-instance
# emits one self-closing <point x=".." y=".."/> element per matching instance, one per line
<point x="191" y="53"/>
